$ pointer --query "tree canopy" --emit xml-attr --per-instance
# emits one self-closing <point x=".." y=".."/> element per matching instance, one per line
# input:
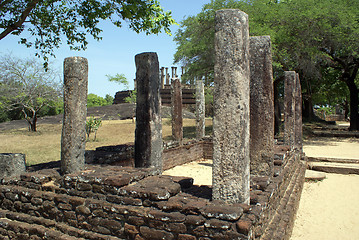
<point x="48" y="22"/>
<point x="317" y="39"/>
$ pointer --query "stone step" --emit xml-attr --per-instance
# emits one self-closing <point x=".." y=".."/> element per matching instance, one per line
<point x="330" y="167"/>
<point x="16" y="225"/>
<point x="311" y="175"/>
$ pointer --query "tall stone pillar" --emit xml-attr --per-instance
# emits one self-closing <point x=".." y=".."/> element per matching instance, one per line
<point x="162" y="77"/>
<point x="289" y="107"/>
<point x="200" y="110"/>
<point x="231" y="107"/>
<point x="177" y="120"/>
<point x="73" y="137"/>
<point x="261" y="107"/>
<point x="167" y="77"/>
<point x="148" y="134"/>
<point x="298" y="115"/>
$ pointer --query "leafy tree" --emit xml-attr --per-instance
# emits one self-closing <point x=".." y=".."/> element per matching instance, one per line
<point x="317" y="39"/>
<point x="132" y="98"/>
<point x="25" y="85"/>
<point x="120" y="79"/>
<point x="48" y="22"/>
<point x="109" y="99"/>
<point x="94" y="100"/>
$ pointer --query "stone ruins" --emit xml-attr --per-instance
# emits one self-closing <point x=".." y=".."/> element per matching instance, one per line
<point x="261" y="107"/>
<point x="177" y="120"/>
<point x="231" y="108"/>
<point x="120" y="193"/>
<point x="148" y="135"/>
<point x="73" y="137"/>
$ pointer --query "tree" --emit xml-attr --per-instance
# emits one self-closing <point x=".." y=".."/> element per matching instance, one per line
<point x="314" y="38"/>
<point x="48" y="21"/>
<point x="119" y="78"/>
<point x="25" y="85"/>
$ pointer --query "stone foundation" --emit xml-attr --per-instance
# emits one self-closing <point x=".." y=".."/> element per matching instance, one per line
<point x="113" y="202"/>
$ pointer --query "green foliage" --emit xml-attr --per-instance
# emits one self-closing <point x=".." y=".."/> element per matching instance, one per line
<point x="94" y="100"/>
<point x="317" y="39"/>
<point x="50" y="21"/>
<point x="132" y="98"/>
<point x="92" y="125"/>
<point x="109" y="99"/>
<point x="118" y="78"/>
<point x="326" y="110"/>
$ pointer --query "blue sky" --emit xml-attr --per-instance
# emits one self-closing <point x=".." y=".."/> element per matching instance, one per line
<point x="116" y="51"/>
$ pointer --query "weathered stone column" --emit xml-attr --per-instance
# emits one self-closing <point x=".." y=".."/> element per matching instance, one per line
<point x="73" y="137"/>
<point x="173" y="72"/>
<point x="231" y="107"/>
<point x="298" y="115"/>
<point x="261" y="107"/>
<point x="200" y="110"/>
<point x="167" y="77"/>
<point x="12" y="164"/>
<point x="148" y="134"/>
<point x="162" y="77"/>
<point x="177" y="120"/>
<point x="289" y="108"/>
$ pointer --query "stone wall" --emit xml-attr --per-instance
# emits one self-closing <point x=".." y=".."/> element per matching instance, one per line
<point x="174" y="154"/>
<point x="112" y="202"/>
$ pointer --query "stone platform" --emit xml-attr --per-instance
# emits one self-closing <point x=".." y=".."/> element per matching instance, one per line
<point x="112" y="202"/>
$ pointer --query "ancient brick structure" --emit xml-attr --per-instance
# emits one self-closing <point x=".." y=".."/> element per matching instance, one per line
<point x="112" y="202"/>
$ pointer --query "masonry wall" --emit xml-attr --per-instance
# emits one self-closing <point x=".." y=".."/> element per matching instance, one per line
<point x="174" y="154"/>
<point x="113" y="202"/>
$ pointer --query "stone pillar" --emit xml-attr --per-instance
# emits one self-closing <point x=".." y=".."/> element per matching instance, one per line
<point x="200" y="110"/>
<point x="289" y="108"/>
<point x="177" y="120"/>
<point x="298" y="115"/>
<point x="73" y="137"/>
<point x="173" y="72"/>
<point x="261" y="107"/>
<point x="167" y="77"/>
<point x="148" y="134"/>
<point x="231" y="107"/>
<point x="162" y="77"/>
<point x="12" y="164"/>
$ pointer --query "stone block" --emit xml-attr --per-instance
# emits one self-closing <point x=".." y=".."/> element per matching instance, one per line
<point x="12" y="164"/>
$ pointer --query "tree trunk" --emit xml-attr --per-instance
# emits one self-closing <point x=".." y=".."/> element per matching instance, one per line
<point x="308" y="112"/>
<point x="33" y="123"/>
<point x="354" y="102"/>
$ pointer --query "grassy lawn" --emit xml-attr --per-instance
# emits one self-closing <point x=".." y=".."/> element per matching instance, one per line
<point x="44" y="145"/>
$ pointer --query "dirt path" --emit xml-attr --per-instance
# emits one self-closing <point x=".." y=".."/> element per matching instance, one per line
<point x="329" y="209"/>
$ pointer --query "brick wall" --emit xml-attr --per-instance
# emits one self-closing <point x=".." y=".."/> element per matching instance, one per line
<point x="113" y="202"/>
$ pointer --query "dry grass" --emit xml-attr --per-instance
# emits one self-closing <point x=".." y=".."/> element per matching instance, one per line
<point x="44" y="145"/>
